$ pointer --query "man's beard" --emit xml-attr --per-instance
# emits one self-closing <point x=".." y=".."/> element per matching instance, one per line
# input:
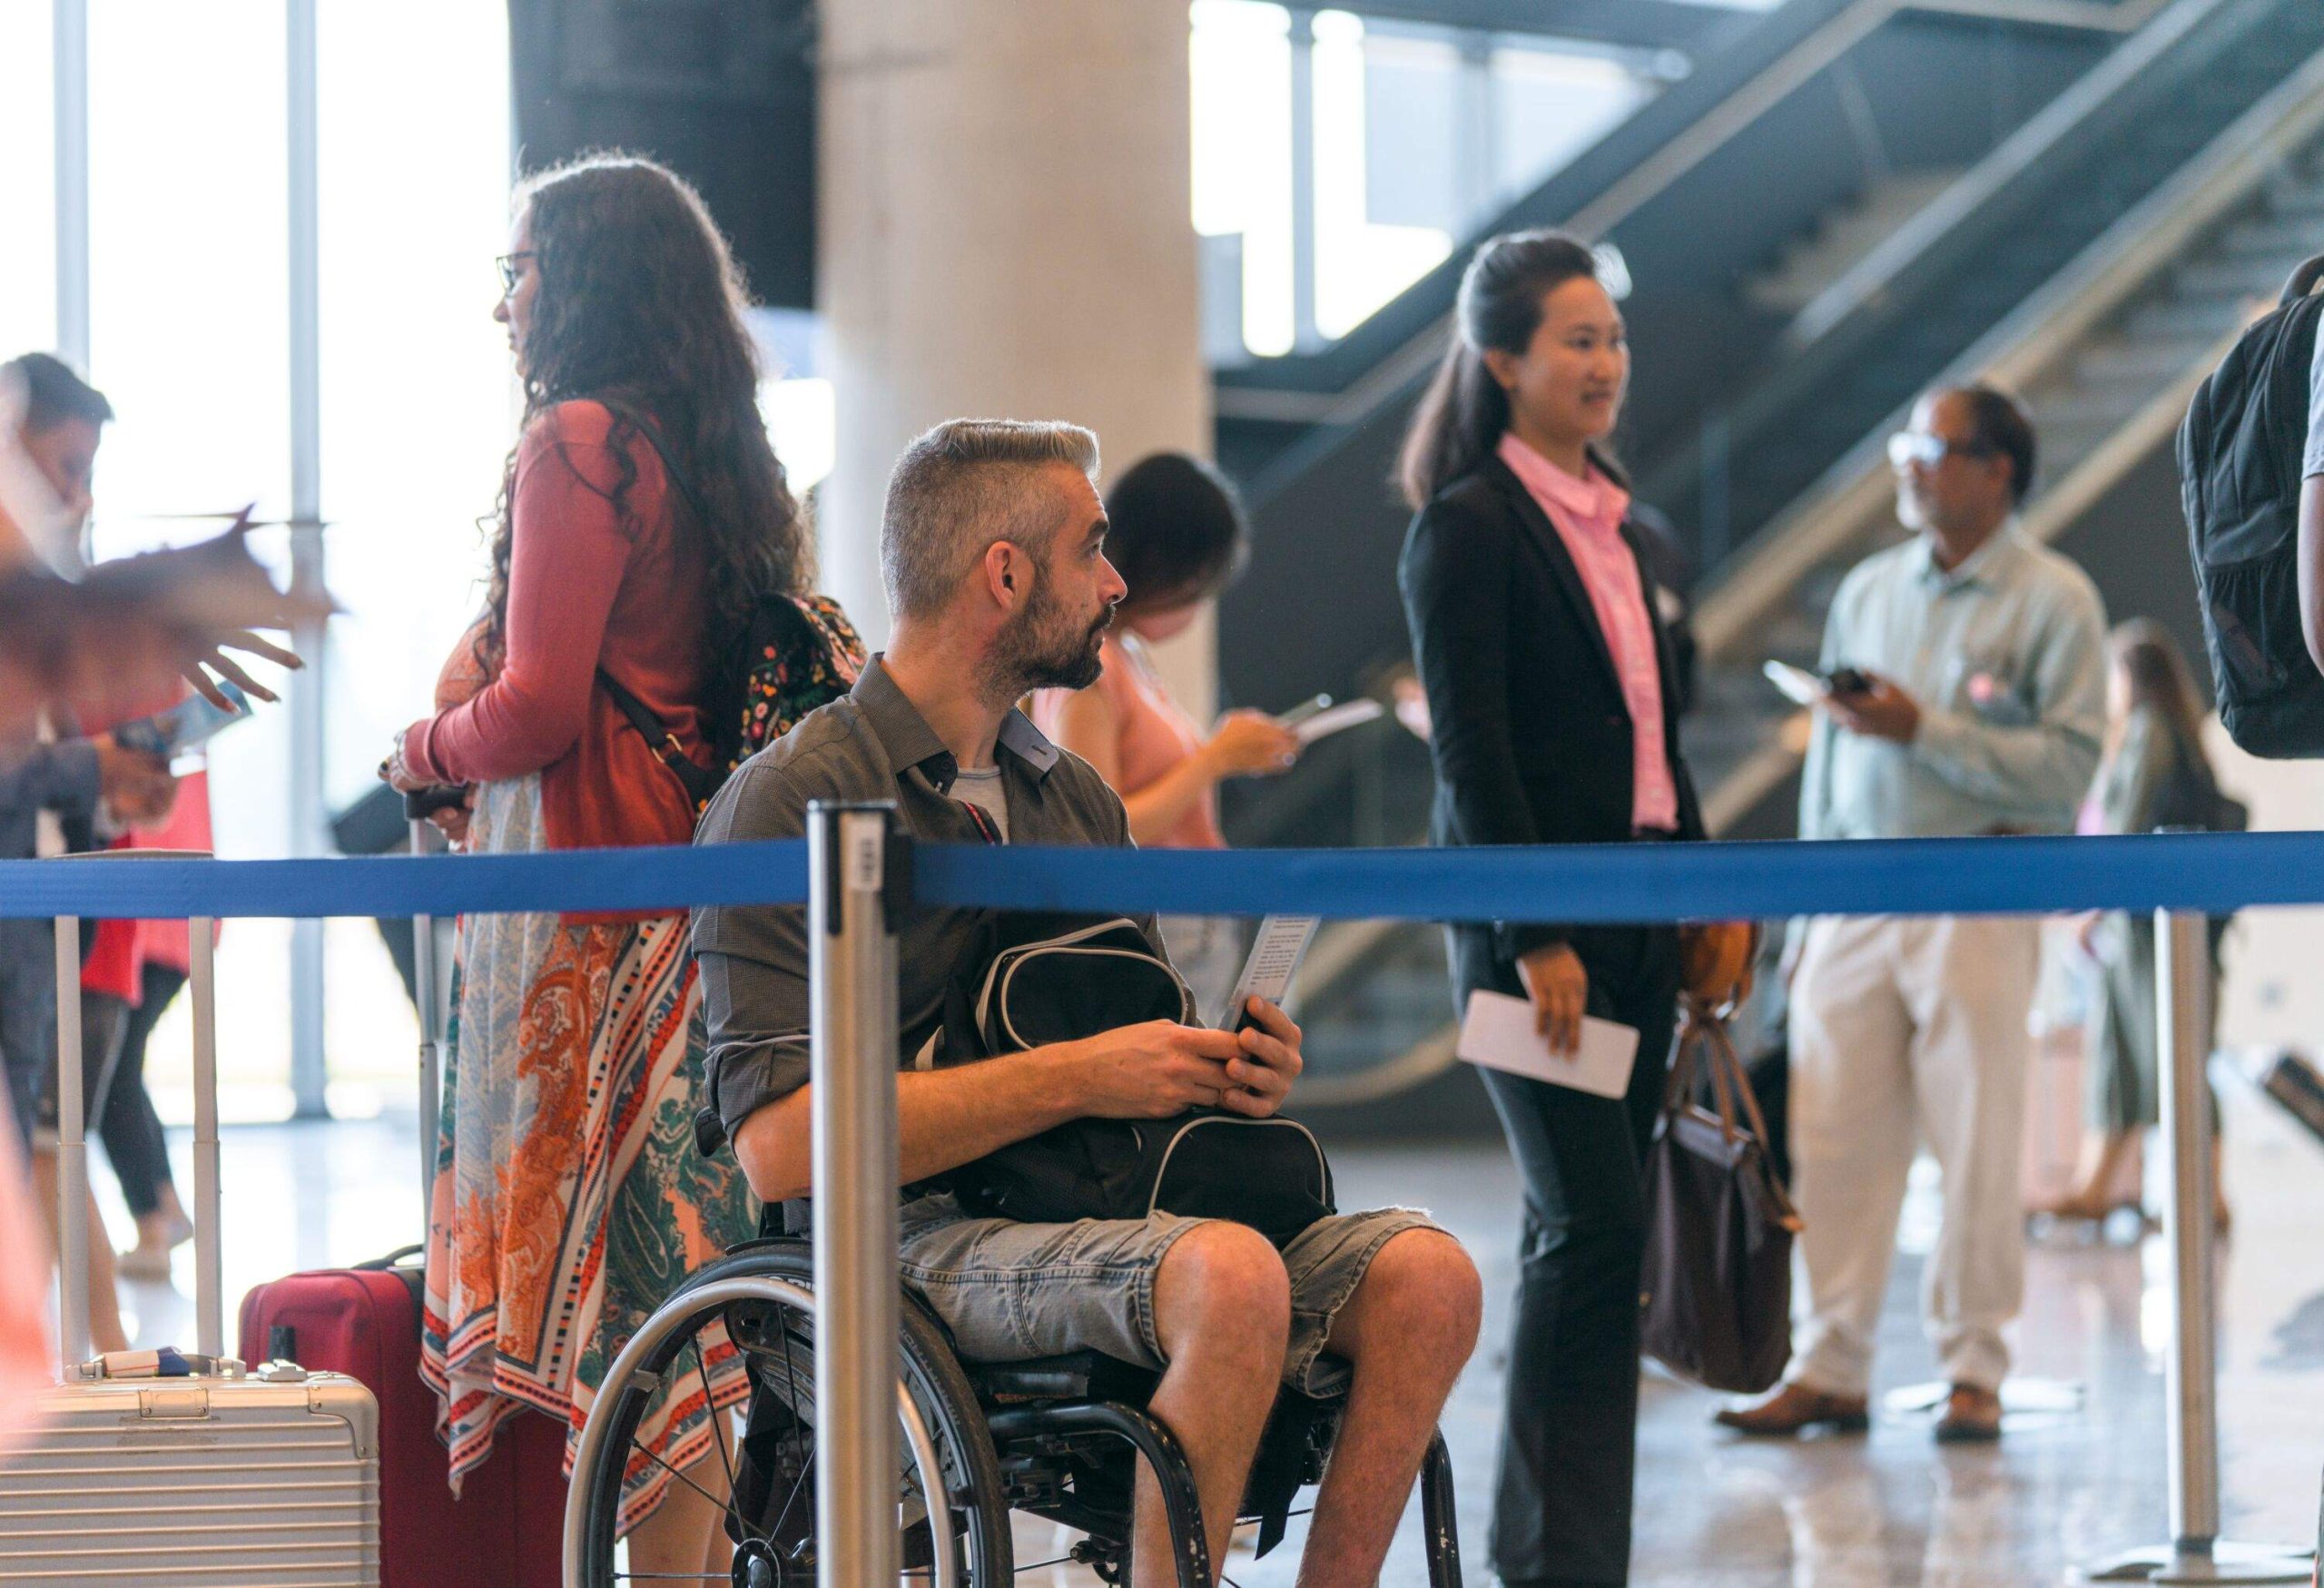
<point x="1044" y="649"/>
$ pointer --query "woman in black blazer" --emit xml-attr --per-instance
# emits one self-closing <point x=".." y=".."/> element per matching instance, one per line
<point x="1536" y="710"/>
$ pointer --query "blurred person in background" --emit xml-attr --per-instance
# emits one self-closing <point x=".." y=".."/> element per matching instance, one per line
<point x="1979" y="710"/>
<point x="2153" y="772"/>
<point x="131" y="1128"/>
<point x="1178" y="537"/>
<point x="1551" y="693"/>
<point x="570" y="1196"/>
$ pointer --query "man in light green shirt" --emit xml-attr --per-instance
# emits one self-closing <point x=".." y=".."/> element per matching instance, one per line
<point x="1984" y="656"/>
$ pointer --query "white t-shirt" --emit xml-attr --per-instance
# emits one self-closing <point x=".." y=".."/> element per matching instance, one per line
<point x="984" y="791"/>
<point x="2312" y="459"/>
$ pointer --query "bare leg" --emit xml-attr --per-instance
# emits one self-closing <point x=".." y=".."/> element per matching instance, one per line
<point x="679" y="1539"/>
<point x="105" y="1331"/>
<point x="2103" y="1153"/>
<point x="1222" y="1306"/>
<point x="1408" y="1331"/>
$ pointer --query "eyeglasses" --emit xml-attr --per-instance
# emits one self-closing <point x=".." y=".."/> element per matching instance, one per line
<point x="512" y="272"/>
<point x="1906" y="447"/>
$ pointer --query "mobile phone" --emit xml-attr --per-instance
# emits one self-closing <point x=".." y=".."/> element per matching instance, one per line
<point x="1304" y="710"/>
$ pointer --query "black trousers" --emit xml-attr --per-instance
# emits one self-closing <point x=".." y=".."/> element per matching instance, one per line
<point x="131" y="1129"/>
<point x="1562" y="1506"/>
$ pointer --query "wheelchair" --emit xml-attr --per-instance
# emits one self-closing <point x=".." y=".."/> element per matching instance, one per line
<point x="1059" y="1438"/>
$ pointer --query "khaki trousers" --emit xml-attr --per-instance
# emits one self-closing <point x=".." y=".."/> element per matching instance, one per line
<point x="1906" y="1028"/>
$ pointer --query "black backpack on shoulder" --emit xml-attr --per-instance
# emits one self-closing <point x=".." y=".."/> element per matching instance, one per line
<point x="1047" y="978"/>
<point x="2240" y="452"/>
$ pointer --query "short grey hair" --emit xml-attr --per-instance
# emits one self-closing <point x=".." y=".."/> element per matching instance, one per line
<point x="955" y="490"/>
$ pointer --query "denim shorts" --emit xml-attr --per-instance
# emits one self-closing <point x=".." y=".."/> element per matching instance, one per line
<point x="1009" y="1291"/>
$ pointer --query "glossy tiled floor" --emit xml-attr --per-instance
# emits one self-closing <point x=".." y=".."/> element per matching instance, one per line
<point x="2080" y="1473"/>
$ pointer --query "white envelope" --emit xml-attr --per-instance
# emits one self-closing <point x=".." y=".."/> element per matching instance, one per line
<point x="1498" y="1034"/>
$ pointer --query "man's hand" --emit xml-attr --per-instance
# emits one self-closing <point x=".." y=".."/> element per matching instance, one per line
<point x="1155" y="1071"/>
<point x="1270" y="1062"/>
<point x="1881" y="711"/>
<point x="136" y="787"/>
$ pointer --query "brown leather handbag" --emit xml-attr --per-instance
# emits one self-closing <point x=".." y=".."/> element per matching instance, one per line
<point x="1715" y="1289"/>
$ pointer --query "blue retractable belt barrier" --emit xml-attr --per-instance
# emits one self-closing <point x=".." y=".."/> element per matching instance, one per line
<point x="2214" y="872"/>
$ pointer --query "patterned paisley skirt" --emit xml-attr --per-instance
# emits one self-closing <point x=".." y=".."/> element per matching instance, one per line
<point x="569" y="1197"/>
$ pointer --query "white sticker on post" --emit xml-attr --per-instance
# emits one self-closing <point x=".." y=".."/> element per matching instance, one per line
<point x="862" y="854"/>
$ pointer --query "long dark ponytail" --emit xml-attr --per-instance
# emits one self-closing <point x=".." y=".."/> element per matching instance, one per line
<point x="1464" y="412"/>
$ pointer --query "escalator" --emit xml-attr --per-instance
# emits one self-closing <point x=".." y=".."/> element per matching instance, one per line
<point x="2105" y="355"/>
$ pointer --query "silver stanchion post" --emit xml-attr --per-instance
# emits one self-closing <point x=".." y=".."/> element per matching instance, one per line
<point x="71" y="1153"/>
<point x="854" y="860"/>
<point x="2195" y="1553"/>
<point x="432" y="1059"/>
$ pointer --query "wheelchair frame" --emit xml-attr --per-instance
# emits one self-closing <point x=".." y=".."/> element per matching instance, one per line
<point x="1037" y="1420"/>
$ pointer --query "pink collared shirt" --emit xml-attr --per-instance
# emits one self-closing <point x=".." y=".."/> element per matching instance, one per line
<point x="1588" y="513"/>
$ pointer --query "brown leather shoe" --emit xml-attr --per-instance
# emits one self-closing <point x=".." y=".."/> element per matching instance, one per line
<point x="1972" y="1416"/>
<point x="1794" y="1409"/>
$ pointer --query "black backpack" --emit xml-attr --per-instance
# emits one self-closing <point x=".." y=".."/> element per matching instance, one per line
<point x="1054" y="979"/>
<point x="796" y="655"/>
<point x="2240" y="452"/>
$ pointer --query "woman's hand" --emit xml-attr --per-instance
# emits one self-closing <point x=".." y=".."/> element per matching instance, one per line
<point x="398" y="777"/>
<point x="2085" y="931"/>
<point x="452" y="820"/>
<point x="1250" y="743"/>
<point x="1560" y="988"/>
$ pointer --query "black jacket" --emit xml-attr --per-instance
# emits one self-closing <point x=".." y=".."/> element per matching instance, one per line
<point x="1531" y="735"/>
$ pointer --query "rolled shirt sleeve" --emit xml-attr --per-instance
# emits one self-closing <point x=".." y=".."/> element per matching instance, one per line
<point x="754" y="960"/>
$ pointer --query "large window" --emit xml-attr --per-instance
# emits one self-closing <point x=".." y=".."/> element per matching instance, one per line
<point x="1414" y="136"/>
<point x="27" y="191"/>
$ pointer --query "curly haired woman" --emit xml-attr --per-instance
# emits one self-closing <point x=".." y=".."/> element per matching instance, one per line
<point x="570" y="1197"/>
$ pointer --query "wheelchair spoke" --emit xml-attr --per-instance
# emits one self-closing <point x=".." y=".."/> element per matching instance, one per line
<point x="717" y="1417"/>
<point x="718" y="1504"/>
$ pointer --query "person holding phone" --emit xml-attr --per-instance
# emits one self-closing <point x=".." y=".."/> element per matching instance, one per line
<point x="1175" y="534"/>
<point x="568" y="1189"/>
<point x="1551" y="691"/>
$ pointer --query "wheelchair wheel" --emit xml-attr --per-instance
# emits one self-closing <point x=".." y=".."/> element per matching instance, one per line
<point x="951" y="1506"/>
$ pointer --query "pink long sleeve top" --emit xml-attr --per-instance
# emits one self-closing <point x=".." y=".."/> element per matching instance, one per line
<point x="588" y="587"/>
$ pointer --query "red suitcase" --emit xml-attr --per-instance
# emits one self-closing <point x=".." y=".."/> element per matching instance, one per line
<point x="507" y="1525"/>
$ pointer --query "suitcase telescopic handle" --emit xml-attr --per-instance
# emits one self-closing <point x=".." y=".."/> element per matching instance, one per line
<point x="73" y="1128"/>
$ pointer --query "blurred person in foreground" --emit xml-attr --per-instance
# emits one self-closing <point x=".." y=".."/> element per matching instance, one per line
<point x="1178" y="538"/>
<point x="63" y="792"/>
<point x="1553" y="691"/>
<point x="2152" y="774"/>
<point x="1982" y="664"/>
<point x="570" y="1195"/>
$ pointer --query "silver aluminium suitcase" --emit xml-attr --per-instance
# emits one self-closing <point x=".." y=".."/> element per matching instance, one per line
<point x="265" y="1477"/>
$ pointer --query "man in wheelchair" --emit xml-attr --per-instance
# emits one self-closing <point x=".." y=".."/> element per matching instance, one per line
<point x="993" y="545"/>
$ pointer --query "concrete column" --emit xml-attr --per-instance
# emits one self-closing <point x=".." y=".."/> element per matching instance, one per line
<point x="1005" y="231"/>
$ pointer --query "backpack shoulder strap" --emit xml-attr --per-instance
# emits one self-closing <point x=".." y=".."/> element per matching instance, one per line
<point x="2303" y="279"/>
<point x="698" y="783"/>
